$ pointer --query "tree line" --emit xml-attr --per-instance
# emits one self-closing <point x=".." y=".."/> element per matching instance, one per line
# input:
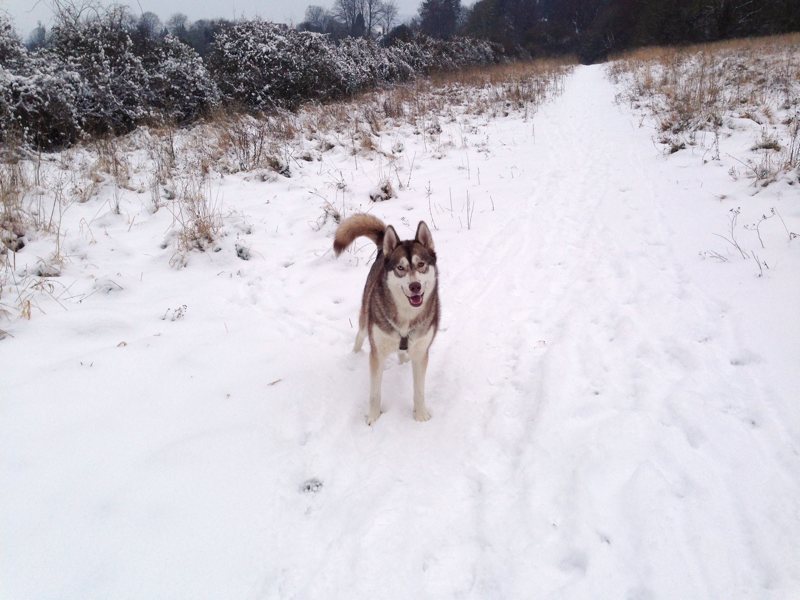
<point x="596" y="28"/>
<point x="592" y="29"/>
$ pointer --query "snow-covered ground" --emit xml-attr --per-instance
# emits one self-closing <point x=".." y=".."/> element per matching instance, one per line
<point x="616" y="413"/>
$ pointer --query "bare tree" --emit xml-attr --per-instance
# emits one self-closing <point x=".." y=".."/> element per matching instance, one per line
<point x="317" y="18"/>
<point x="37" y="38"/>
<point x="71" y="13"/>
<point x="388" y="16"/>
<point x="315" y="15"/>
<point x="149" y="26"/>
<point x="347" y="11"/>
<point x="372" y="13"/>
<point x="177" y="24"/>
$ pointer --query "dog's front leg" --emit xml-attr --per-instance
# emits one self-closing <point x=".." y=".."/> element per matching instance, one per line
<point x="376" y="360"/>
<point x="419" y="366"/>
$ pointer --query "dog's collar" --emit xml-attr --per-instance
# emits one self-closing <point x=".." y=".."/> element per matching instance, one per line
<point x="403" y="338"/>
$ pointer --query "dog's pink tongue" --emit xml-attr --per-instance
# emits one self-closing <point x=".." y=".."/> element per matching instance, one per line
<point x="416" y="300"/>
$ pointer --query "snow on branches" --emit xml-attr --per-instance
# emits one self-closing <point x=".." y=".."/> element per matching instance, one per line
<point x="96" y="77"/>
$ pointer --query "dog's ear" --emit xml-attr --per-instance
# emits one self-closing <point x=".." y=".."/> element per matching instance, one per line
<point x="424" y="236"/>
<point x="390" y="240"/>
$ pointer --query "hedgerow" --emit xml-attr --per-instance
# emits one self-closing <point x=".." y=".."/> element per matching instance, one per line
<point x="90" y="79"/>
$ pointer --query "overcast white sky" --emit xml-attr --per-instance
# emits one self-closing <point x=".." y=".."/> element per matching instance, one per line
<point x="26" y="13"/>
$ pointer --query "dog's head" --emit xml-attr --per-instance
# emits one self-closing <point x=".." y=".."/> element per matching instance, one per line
<point x="410" y="265"/>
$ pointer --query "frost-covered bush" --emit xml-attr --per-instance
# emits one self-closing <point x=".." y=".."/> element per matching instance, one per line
<point x="448" y="55"/>
<point x="356" y="58"/>
<point x="90" y="81"/>
<point x="37" y="95"/>
<point x="425" y="54"/>
<point x="11" y="49"/>
<point x="93" y="79"/>
<point x="460" y="52"/>
<point x="111" y="98"/>
<point x="263" y="65"/>
<point x="366" y="64"/>
<point x="394" y="66"/>
<point x="5" y="102"/>
<point x="416" y="55"/>
<point x="180" y="86"/>
<point x="42" y="101"/>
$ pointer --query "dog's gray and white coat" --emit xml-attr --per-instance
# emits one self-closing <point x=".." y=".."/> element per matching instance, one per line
<point x="400" y="306"/>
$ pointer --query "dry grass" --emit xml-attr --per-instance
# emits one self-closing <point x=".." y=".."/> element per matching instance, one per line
<point x="498" y="89"/>
<point x="13" y="220"/>
<point x="24" y="209"/>
<point x="111" y="160"/>
<point x="197" y="213"/>
<point x="271" y="145"/>
<point x="711" y="87"/>
<point x="495" y="90"/>
<point x="174" y="169"/>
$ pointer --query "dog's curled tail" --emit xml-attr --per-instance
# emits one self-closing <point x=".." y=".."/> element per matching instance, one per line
<point x="356" y="226"/>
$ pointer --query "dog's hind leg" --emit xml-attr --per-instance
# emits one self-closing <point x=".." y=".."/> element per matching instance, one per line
<point x="362" y="331"/>
<point x="360" y="336"/>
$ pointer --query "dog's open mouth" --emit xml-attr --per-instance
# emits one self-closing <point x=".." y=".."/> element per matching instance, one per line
<point x="415" y="300"/>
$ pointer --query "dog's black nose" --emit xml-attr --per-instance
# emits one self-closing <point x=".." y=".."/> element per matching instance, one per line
<point x="414" y="287"/>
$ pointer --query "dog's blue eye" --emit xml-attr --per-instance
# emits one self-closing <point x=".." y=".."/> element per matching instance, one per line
<point x="401" y="268"/>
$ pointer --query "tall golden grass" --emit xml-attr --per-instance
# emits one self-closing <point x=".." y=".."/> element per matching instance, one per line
<point x="701" y="87"/>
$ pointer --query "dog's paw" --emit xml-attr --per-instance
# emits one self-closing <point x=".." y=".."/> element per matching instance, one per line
<point x="421" y="414"/>
<point x="372" y="417"/>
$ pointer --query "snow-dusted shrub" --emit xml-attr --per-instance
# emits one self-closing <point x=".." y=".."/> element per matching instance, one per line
<point x="263" y="65"/>
<point x="180" y="86"/>
<point x="448" y="55"/>
<point x="425" y="54"/>
<point x="320" y="75"/>
<point x="365" y="64"/>
<point x="90" y="79"/>
<point x="42" y="100"/>
<point x="11" y="49"/>
<point x="113" y="95"/>
<point x="5" y="102"/>
<point x="416" y="55"/>
<point x="442" y="54"/>
<point x="38" y="95"/>
<point x="356" y="58"/>
<point x="12" y="53"/>
<point x="463" y="51"/>
<point x="394" y="66"/>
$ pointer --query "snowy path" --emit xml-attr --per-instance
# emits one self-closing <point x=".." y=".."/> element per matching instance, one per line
<point x="610" y="419"/>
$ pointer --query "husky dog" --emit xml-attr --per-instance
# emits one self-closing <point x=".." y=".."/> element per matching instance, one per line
<point x="400" y="306"/>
